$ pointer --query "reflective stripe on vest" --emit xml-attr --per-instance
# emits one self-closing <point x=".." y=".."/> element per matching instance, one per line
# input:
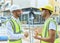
<point x="15" y="26"/>
<point x="16" y="30"/>
<point x="45" y="29"/>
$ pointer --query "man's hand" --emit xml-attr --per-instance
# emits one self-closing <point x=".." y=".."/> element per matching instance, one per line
<point x="36" y="35"/>
<point x="26" y="34"/>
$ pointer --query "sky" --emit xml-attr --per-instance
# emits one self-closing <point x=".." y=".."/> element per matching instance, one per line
<point x="30" y="3"/>
<point x="38" y="3"/>
<point x="42" y="2"/>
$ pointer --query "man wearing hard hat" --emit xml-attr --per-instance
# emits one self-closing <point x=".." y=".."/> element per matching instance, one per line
<point x="13" y="26"/>
<point x="50" y="26"/>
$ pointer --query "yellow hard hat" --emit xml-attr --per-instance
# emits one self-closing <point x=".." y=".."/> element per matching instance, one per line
<point x="48" y="7"/>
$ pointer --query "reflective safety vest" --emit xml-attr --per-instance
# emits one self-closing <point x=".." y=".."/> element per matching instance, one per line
<point x="46" y="28"/>
<point x="16" y="30"/>
<point x="57" y="40"/>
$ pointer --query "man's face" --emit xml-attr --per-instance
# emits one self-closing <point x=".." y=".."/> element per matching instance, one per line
<point x="17" y="12"/>
<point x="44" y="13"/>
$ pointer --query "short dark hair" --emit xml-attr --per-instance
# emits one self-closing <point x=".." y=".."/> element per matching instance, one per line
<point x="50" y="12"/>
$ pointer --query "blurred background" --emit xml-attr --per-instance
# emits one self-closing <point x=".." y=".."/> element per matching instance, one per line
<point x="27" y="23"/>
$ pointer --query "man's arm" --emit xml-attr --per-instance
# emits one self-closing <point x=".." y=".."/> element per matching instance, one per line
<point x="51" y="33"/>
<point x="11" y="34"/>
<point x="51" y="37"/>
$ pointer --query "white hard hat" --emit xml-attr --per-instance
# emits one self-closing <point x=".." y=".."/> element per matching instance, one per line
<point x="14" y="7"/>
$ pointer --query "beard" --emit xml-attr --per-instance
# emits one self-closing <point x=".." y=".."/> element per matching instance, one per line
<point x="18" y="15"/>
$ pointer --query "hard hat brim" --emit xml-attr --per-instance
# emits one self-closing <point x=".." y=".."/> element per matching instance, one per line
<point x="45" y="9"/>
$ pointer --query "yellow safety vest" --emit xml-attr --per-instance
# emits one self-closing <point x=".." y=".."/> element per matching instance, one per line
<point x="57" y="40"/>
<point x="46" y="27"/>
<point x="16" y="30"/>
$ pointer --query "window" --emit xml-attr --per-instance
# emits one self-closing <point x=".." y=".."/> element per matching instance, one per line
<point x="26" y="20"/>
<point x="7" y="14"/>
<point x="55" y="0"/>
<point x="59" y="10"/>
<point x="0" y="6"/>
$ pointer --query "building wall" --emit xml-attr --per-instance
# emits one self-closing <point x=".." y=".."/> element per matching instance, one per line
<point x="1" y="13"/>
<point x="56" y="6"/>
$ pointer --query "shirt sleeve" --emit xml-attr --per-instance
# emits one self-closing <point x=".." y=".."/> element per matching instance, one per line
<point x="11" y="34"/>
<point x="52" y="25"/>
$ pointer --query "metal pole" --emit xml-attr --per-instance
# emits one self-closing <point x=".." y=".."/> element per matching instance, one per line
<point x="31" y="30"/>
